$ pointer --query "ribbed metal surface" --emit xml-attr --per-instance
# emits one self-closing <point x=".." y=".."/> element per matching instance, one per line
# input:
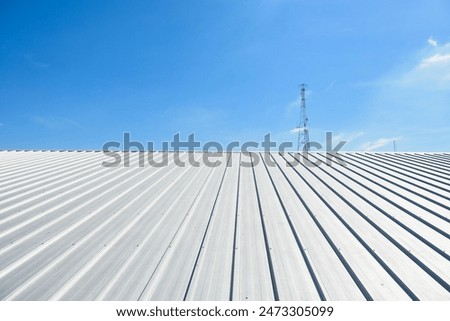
<point x="377" y="229"/>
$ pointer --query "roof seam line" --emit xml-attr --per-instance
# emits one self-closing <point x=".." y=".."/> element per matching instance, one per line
<point x="236" y="214"/>
<point x="205" y="233"/>
<point x="297" y="239"/>
<point x="405" y="227"/>
<point x="266" y="241"/>
<point x="390" y="238"/>
<point x="404" y="287"/>
<point x="344" y="262"/>
<point x="413" y="192"/>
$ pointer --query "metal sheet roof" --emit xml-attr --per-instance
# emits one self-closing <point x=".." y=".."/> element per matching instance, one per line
<point x="377" y="228"/>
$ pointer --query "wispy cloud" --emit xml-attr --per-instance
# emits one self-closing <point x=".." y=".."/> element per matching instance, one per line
<point x="32" y="61"/>
<point x="54" y="122"/>
<point x="411" y="100"/>
<point x="435" y="60"/>
<point x="203" y="117"/>
<point x="348" y="137"/>
<point x="432" y="42"/>
<point x="297" y="130"/>
<point x="428" y="69"/>
<point x="293" y="106"/>
<point x="374" y="145"/>
<point x="431" y="72"/>
<point x="331" y="85"/>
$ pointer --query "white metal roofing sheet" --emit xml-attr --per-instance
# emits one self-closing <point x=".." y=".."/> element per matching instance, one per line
<point x="377" y="228"/>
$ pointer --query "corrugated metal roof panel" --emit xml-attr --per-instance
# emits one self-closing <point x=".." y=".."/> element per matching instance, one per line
<point x="377" y="228"/>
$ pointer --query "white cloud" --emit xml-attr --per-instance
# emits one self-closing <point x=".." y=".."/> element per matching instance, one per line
<point x="331" y="85"/>
<point x="409" y="102"/>
<point x="293" y="106"/>
<point x="435" y="60"/>
<point x="429" y="69"/>
<point x="373" y="145"/>
<point x="348" y="137"/>
<point x="432" y="42"/>
<point x="31" y="60"/>
<point x="195" y="117"/>
<point x="297" y="130"/>
<point x="54" y="122"/>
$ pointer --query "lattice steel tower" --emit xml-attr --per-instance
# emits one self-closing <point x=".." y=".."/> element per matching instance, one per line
<point x="303" y="130"/>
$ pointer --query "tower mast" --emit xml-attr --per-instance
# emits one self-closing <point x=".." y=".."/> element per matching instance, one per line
<point x="303" y="130"/>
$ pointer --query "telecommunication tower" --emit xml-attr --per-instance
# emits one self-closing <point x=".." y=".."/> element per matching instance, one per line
<point x="303" y="130"/>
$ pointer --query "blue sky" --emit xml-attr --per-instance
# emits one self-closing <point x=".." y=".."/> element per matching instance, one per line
<point x="75" y="74"/>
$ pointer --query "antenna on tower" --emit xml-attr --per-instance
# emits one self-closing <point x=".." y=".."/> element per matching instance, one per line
<point x="303" y="130"/>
